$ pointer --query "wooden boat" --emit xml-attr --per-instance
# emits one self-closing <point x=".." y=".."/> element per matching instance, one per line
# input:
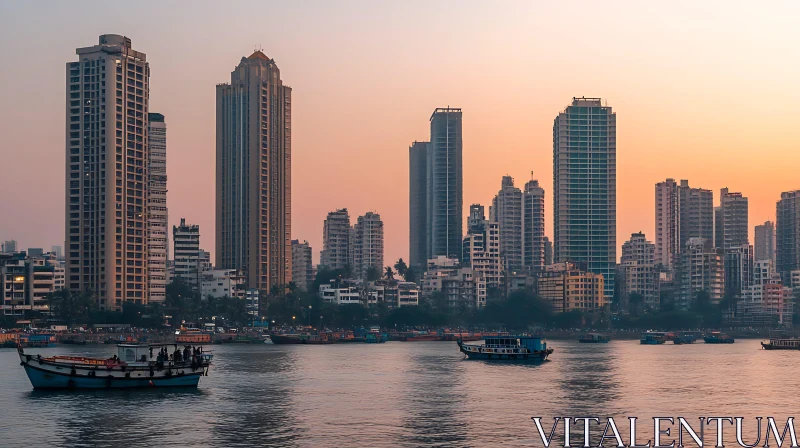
<point x="508" y="348"/>
<point x="594" y="338"/>
<point x="715" y="337"/>
<point x="134" y="366"/>
<point x="193" y="337"/>
<point x="781" y="344"/>
<point x="652" y="338"/>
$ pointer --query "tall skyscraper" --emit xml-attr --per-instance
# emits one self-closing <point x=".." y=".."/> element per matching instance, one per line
<point x="533" y="226"/>
<point x="548" y="251"/>
<point x="157" y="208"/>
<point x="730" y="226"/>
<point x="682" y="212"/>
<point x="367" y="244"/>
<point x="444" y="184"/>
<point x="585" y="187"/>
<point x="506" y="211"/>
<point x="187" y="253"/>
<point x="638" y="272"/>
<point x="738" y="264"/>
<point x="765" y="242"/>
<point x="418" y="205"/>
<point x="107" y="177"/>
<point x="787" y="235"/>
<point x="336" y="246"/>
<point x="254" y="147"/>
<point x="302" y="266"/>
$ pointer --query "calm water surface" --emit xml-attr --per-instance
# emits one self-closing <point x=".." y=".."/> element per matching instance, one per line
<point x="399" y="395"/>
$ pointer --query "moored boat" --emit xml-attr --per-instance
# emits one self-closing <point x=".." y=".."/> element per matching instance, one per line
<point x="134" y="366"/>
<point x="652" y="338"/>
<point x="374" y="336"/>
<point x="508" y="348"/>
<point x="715" y="337"/>
<point x="781" y="344"/>
<point x="594" y="338"/>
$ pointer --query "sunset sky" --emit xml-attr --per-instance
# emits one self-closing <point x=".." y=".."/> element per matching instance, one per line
<point x="705" y="91"/>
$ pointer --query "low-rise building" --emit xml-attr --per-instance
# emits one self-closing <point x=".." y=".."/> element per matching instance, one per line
<point x="26" y="282"/>
<point x="462" y="286"/>
<point x="341" y="292"/>
<point x="252" y="297"/>
<point x="394" y="293"/>
<point x="568" y="288"/>
<point x="218" y="283"/>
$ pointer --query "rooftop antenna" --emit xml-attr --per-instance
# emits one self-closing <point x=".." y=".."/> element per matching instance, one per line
<point x="531" y="174"/>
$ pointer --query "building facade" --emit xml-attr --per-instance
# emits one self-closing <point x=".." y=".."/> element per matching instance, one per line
<point x="367" y="244"/>
<point x="418" y="205"/>
<point x="158" y="245"/>
<point x="738" y="265"/>
<point x="186" y="250"/>
<point x="764" y="246"/>
<point x="107" y="160"/>
<point x="9" y="246"/>
<point x="682" y="212"/>
<point x="533" y="239"/>
<point x="444" y="184"/>
<point x="481" y="249"/>
<point x="730" y="223"/>
<point x="568" y="288"/>
<point x="585" y="187"/>
<point x="700" y="269"/>
<point x="787" y="234"/>
<point x="253" y="173"/>
<point x="302" y="265"/>
<point x="219" y="283"/>
<point x="506" y="211"/>
<point x="336" y="247"/>
<point x="637" y="272"/>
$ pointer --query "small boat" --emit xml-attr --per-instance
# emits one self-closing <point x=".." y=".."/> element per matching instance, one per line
<point x="193" y="337"/>
<point x="37" y="340"/>
<point x="134" y="366"/>
<point x="507" y="348"/>
<point x="305" y="338"/>
<point x="594" y="338"/>
<point x="72" y="340"/>
<point x="781" y="344"/>
<point x="715" y="337"/>
<point x="374" y="336"/>
<point x="684" y="338"/>
<point x="652" y="338"/>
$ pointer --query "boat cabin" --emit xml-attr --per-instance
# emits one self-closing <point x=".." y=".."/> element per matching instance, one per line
<point x="133" y="352"/>
<point x="530" y="342"/>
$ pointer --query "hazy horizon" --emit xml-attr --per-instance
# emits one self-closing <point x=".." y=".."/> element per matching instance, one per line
<point x="702" y="91"/>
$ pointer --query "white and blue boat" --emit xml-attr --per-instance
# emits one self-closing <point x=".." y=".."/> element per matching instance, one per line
<point x="507" y="348"/>
<point x="133" y="366"/>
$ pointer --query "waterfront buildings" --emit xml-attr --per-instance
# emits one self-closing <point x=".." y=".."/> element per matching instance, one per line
<point x="367" y="244"/>
<point x="186" y="250"/>
<point x="700" y="269"/>
<point x="26" y="282"/>
<point x="637" y="272"/>
<point x="418" y="205"/>
<point x="682" y="212"/>
<point x="336" y="247"/>
<point x="506" y="211"/>
<point x="738" y="265"/>
<point x="568" y="288"/>
<point x="106" y="182"/>
<point x="302" y="266"/>
<point x="253" y="173"/>
<point x="534" y="241"/>
<point x="787" y="234"/>
<point x="393" y="293"/>
<point x="767" y="302"/>
<point x="585" y="187"/>
<point x="460" y="286"/>
<point x="218" y="283"/>
<point x="481" y="250"/>
<point x="9" y="246"/>
<point x="444" y="184"/>
<point x="730" y="223"/>
<point x="765" y="242"/>
<point x="157" y="243"/>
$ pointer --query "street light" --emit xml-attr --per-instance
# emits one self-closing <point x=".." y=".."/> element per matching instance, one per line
<point x="309" y="315"/>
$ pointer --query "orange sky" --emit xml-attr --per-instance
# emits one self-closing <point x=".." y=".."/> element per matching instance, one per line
<point x="705" y="91"/>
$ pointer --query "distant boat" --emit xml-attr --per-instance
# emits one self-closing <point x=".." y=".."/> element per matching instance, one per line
<point x="781" y="344"/>
<point x="652" y="338"/>
<point x="374" y="336"/>
<point x="135" y="366"/>
<point x="305" y="338"/>
<point x="684" y="338"/>
<point x="594" y="338"/>
<point x="508" y="348"/>
<point x="715" y="337"/>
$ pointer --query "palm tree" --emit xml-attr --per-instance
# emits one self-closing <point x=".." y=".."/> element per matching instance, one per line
<point x="401" y="267"/>
<point x="389" y="274"/>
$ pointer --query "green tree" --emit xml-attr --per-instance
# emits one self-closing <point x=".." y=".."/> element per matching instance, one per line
<point x="373" y="274"/>
<point x="411" y="275"/>
<point x="389" y="273"/>
<point x="72" y="307"/>
<point x="635" y="303"/>
<point x="401" y="268"/>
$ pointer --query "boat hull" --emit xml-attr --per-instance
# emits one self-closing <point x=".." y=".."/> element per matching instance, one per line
<point x="593" y="342"/>
<point x="44" y="379"/>
<point x="474" y="352"/>
<point x="772" y="347"/>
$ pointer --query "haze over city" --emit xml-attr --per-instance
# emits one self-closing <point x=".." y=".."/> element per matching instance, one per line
<point x="704" y="92"/>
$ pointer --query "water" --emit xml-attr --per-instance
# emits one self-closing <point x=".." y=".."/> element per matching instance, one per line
<point x="399" y="395"/>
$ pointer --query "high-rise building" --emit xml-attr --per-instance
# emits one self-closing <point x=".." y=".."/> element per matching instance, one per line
<point x="186" y="239"/>
<point x="418" y="205"/>
<point x="444" y="184"/>
<point x="700" y="269"/>
<point x="585" y="187"/>
<point x="506" y="211"/>
<point x="253" y="199"/>
<point x="367" y="244"/>
<point x="336" y="246"/>
<point x="548" y="251"/>
<point x="476" y="221"/>
<point x="682" y="212"/>
<point x="730" y="221"/>
<point x="787" y="235"/>
<point x="765" y="242"/>
<point x="9" y="246"/>
<point x="107" y="177"/>
<point x="637" y="271"/>
<point x="738" y="264"/>
<point x="533" y="226"/>
<point x="57" y="251"/>
<point x="302" y="266"/>
<point x="158" y="246"/>
<point x="481" y="250"/>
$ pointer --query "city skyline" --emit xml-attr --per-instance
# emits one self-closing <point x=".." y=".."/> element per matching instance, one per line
<point x="683" y="133"/>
